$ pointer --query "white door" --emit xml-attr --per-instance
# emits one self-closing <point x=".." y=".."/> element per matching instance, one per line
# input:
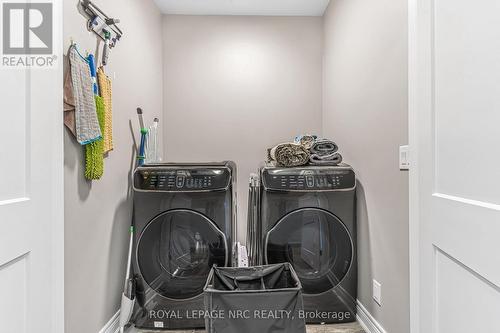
<point x="31" y="199"/>
<point x="455" y="176"/>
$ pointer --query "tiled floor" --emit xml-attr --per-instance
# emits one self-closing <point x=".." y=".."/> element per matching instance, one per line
<point x="339" y="328"/>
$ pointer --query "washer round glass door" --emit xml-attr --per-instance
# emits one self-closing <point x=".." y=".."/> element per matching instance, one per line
<point x="176" y="251"/>
<point x="316" y="243"/>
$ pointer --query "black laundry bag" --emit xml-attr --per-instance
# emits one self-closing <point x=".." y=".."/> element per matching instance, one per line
<point x="259" y="299"/>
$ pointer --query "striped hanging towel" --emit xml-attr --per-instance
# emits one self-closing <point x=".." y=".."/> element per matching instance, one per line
<point x="87" y="125"/>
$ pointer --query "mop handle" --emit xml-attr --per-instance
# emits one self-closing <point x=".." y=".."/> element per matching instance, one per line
<point x="144" y="131"/>
<point x="127" y="275"/>
<point x="142" y="148"/>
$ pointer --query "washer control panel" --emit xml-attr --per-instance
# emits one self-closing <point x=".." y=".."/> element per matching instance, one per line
<point x="182" y="180"/>
<point x="309" y="179"/>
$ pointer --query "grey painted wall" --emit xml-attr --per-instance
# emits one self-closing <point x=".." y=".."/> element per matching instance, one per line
<point x="97" y="214"/>
<point x="236" y="85"/>
<point x="365" y="111"/>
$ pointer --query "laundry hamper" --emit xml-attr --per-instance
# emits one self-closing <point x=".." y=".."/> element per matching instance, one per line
<point x="257" y="299"/>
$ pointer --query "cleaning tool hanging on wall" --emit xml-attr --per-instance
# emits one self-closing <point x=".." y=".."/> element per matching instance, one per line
<point x="142" y="147"/>
<point x="105" y="91"/>
<point x="94" y="151"/>
<point x="104" y="26"/>
<point x="86" y="122"/>
<point x="105" y="50"/>
<point x="93" y="73"/>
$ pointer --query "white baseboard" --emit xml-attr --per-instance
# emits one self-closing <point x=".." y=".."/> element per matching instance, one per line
<point x="366" y="320"/>
<point x="113" y="325"/>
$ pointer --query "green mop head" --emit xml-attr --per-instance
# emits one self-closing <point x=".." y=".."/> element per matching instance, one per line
<point x="94" y="152"/>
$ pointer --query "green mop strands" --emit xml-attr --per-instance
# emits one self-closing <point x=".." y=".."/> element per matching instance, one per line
<point x="94" y="152"/>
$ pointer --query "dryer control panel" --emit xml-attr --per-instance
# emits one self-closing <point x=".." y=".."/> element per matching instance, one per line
<point x="309" y="179"/>
<point x="181" y="179"/>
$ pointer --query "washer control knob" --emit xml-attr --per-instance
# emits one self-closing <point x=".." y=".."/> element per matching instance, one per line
<point x="180" y="181"/>
<point x="310" y="181"/>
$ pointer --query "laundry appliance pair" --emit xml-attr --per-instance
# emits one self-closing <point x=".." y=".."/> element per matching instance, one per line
<point x="185" y="223"/>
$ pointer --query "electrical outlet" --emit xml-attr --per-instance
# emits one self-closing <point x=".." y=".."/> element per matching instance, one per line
<point x="404" y="157"/>
<point x="377" y="292"/>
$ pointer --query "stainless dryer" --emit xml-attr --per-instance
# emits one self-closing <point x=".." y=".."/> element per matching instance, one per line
<point x="306" y="216"/>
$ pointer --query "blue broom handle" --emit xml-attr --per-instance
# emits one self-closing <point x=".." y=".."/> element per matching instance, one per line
<point x="142" y="147"/>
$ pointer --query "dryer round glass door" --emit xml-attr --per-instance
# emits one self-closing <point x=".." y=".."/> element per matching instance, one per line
<point x="316" y="243"/>
<point x="176" y="251"/>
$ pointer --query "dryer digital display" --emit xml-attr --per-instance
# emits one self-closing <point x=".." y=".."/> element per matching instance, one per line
<point x="188" y="180"/>
<point x="309" y="179"/>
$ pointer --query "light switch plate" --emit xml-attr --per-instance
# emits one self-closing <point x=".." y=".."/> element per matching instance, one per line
<point x="377" y="292"/>
<point x="404" y="157"/>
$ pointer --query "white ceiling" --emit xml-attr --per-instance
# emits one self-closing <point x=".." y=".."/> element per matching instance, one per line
<point x="244" y="7"/>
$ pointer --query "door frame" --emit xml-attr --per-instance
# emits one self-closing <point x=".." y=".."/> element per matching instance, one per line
<point x="419" y="49"/>
<point x="413" y="229"/>
<point x="50" y="99"/>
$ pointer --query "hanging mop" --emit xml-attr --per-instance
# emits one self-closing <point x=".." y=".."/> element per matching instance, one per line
<point x="94" y="151"/>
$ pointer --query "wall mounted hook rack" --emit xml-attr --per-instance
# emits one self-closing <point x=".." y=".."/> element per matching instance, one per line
<point x="104" y="26"/>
